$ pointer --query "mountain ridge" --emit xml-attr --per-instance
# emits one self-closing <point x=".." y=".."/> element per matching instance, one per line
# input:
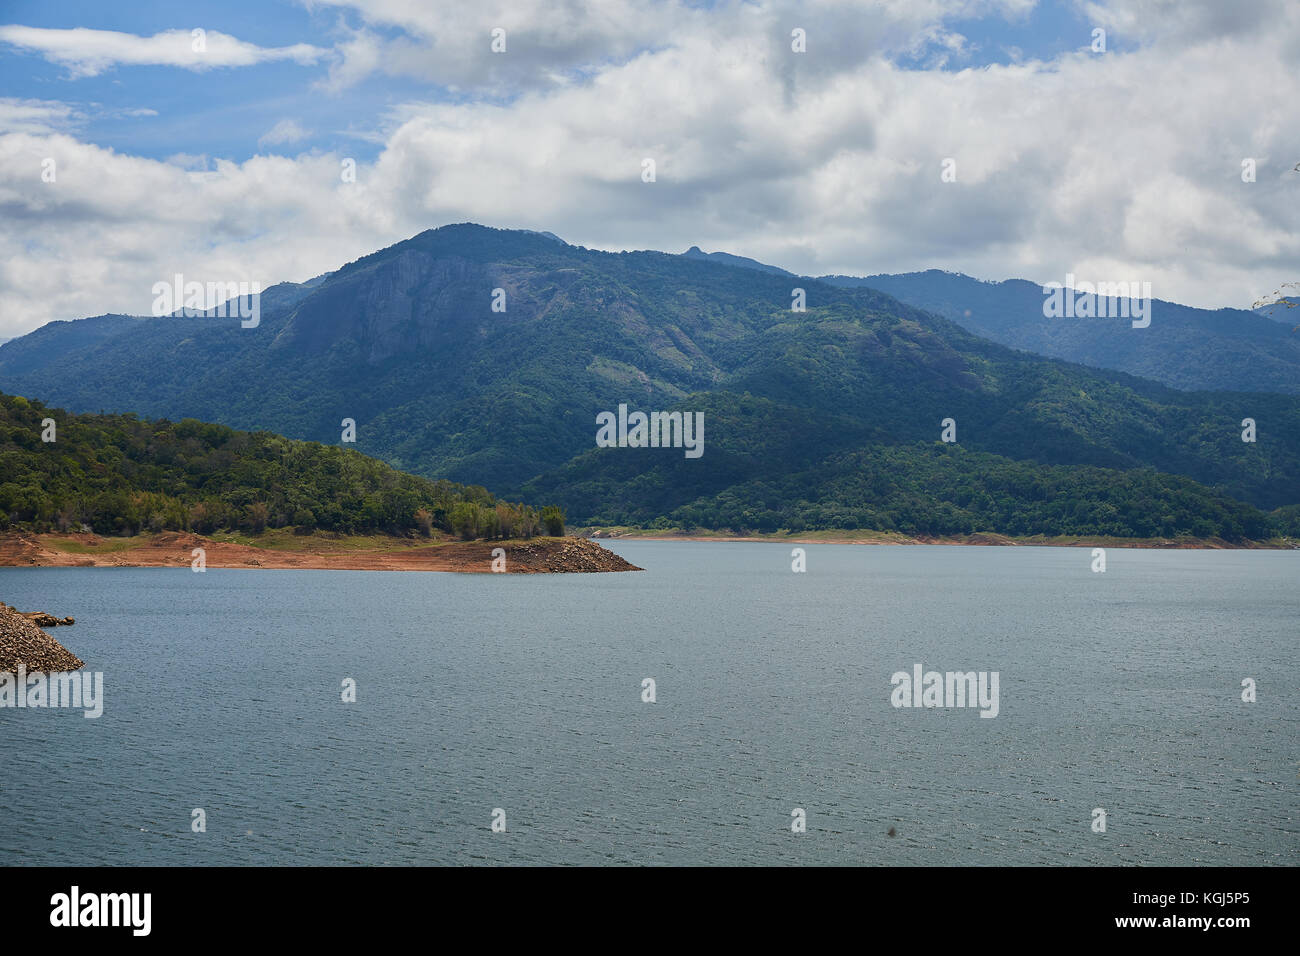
<point x="405" y="342"/>
<point x="1187" y="348"/>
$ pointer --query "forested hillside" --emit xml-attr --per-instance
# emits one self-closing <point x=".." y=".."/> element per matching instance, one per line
<point x="120" y="475"/>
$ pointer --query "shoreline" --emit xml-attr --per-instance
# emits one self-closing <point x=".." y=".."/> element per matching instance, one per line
<point x="979" y="539"/>
<point x="580" y="552"/>
<point x="171" y="549"/>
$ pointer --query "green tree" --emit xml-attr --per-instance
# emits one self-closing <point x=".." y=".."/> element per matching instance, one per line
<point x="553" y="519"/>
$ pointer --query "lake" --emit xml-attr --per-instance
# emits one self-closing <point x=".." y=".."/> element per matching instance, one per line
<point x="1119" y="691"/>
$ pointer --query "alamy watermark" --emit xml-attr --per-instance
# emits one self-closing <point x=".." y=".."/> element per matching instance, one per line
<point x="218" y="300"/>
<point x="656" y="430"/>
<point x="950" y="689"/>
<point x="75" y="908"/>
<point x="1105" y="300"/>
<point x="62" y="689"/>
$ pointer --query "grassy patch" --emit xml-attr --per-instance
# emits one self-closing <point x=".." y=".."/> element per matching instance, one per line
<point x="285" y="539"/>
<point x="103" y="546"/>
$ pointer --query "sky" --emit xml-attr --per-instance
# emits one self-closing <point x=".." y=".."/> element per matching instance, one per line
<point x="999" y="138"/>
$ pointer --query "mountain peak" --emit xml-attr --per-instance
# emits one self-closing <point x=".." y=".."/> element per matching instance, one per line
<point x="727" y="259"/>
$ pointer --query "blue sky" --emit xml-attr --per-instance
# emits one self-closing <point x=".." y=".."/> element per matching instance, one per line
<point x="1115" y="166"/>
<point x="221" y="112"/>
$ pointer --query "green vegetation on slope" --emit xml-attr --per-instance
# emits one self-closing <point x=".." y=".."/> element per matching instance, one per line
<point x="118" y="475"/>
<point x="760" y="472"/>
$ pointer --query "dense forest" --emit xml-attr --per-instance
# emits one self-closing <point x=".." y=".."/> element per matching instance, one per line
<point x="120" y="475"/>
<point x="934" y="490"/>
<point x="770" y="466"/>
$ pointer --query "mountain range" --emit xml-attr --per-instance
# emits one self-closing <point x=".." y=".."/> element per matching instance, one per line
<point x="1185" y="347"/>
<point x="826" y="417"/>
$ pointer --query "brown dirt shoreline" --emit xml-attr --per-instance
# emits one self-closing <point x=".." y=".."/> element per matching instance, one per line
<point x="174" y="549"/>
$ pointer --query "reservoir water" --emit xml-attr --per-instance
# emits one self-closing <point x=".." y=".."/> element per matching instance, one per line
<point x="1119" y="691"/>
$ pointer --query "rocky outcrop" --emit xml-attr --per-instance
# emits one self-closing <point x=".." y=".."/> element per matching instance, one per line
<point x="24" y="644"/>
<point x="41" y="618"/>
<point x="563" y="554"/>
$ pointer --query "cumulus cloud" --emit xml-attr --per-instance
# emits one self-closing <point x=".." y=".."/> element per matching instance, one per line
<point x="544" y="40"/>
<point x="86" y="52"/>
<point x="1188" y="21"/>
<point x="1122" y="166"/>
<point x="554" y="42"/>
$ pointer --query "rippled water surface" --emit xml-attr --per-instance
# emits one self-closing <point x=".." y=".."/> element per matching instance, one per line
<point x="1119" y="690"/>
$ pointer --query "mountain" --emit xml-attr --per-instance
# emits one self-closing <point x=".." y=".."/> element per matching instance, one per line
<point x="119" y="474"/>
<point x="47" y="346"/>
<point x="829" y="417"/>
<point x="1184" y="347"/>
<point x="1188" y="348"/>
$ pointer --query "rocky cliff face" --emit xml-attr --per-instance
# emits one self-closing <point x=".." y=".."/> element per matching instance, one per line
<point x="409" y="301"/>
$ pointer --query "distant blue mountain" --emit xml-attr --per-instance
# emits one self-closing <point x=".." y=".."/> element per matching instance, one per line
<point x="1184" y="347"/>
<point x="1197" y="349"/>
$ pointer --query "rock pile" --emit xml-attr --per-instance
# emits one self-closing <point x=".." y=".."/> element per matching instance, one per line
<point x="23" y="643"/>
<point x="564" y="554"/>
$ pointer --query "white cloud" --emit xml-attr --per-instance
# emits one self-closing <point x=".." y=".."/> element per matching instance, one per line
<point x="1114" y="167"/>
<point x="86" y="52"/>
<point x="36" y="116"/>
<point x="550" y="42"/>
<point x="49" y="116"/>
<point x="1188" y="21"/>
